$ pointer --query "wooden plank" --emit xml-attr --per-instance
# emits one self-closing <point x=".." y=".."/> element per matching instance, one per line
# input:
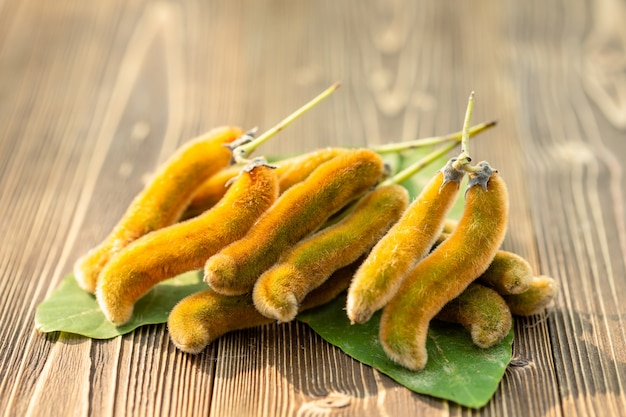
<point x="96" y="97"/>
<point x="575" y="163"/>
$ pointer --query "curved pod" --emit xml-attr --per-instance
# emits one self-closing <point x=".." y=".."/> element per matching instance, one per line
<point x="406" y="243"/>
<point x="162" y="200"/>
<point x="297" y="213"/>
<point x="279" y="290"/>
<point x="445" y="273"/>
<point x="184" y="246"/>
<point x="481" y="311"/>
<point x="198" y="319"/>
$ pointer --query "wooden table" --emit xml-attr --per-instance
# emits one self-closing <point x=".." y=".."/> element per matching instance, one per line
<point x="93" y="95"/>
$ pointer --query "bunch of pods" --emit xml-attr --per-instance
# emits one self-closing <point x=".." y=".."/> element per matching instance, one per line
<point x="275" y="239"/>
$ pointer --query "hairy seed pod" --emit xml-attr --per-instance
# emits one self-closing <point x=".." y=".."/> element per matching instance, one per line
<point x="162" y="200"/>
<point x="210" y="192"/>
<point x="481" y="311"/>
<point x="184" y="246"/>
<point x="279" y="290"/>
<point x="538" y="297"/>
<point x="449" y="225"/>
<point x="298" y="212"/>
<point x="297" y="169"/>
<point x="290" y="171"/>
<point x="406" y="243"/>
<point x="447" y="271"/>
<point x="199" y="319"/>
<point x="508" y="272"/>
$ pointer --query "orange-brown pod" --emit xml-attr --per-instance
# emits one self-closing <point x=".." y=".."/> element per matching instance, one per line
<point x="199" y="319"/>
<point x="290" y="171"/>
<point x="447" y="271"/>
<point x="184" y="246"/>
<point x="481" y="311"/>
<point x="162" y="200"/>
<point x="298" y="212"/>
<point x="541" y="293"/>
<point x="279" y="290"/>
<point x="408" y="241"/>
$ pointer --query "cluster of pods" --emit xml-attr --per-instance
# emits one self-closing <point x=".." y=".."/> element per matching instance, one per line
<point x="276" y="239"/>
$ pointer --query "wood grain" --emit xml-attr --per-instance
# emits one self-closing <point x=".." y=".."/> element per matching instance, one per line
<point x="94" y="95"/>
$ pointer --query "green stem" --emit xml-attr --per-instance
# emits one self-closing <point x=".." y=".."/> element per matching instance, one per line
<point x="240" y="153"/>
<point x="466" y="125"/>
<point x="435" y="140"/>
<point x="464" y="158"/>
<point x="409" y="171"/>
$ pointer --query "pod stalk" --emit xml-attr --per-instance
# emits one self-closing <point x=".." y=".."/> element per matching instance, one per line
<point x="434" y="140"/>
<point x="241" y="152"/>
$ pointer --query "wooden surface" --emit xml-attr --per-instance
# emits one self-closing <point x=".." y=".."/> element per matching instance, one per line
<point x="93" y="95"/>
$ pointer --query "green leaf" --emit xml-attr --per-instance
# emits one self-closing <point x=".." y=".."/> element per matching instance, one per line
<point x="70" y="309"/>
<point x="456" y="369"/>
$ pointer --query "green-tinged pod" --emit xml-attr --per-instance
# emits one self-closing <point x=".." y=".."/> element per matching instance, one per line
<point x="279" y="290"/>
<point x="184" y="246"/>
<point x="404" y="245"/>
<point x="508" y="273"/>
<point x="199" y="319"/>
<point x="445" y="273"/>
<point x="162" y="200"/>
<point x="297" y="169"/>
<point x="537" y="298"/>
<point x="298" y="212"/>
<point x="481" y="311"/>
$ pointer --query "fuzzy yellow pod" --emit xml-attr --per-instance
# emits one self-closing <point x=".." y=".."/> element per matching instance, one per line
<point x="290" y="171"/>
<point x="297" y="169"/>
<point x="184" y="246"/>
<point x="162" y="200"/>
<point x="298" y="212"/>
<point x="199" y="319"/>
<point x="210" y="192"/>
<point x="279" y="290"/>
<point x="481" y="311"/>
<point x="447" y="271"/>
<point x="405" y="244"/>
<point x="508" y="273"/>
<point x="538" y="297"/>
